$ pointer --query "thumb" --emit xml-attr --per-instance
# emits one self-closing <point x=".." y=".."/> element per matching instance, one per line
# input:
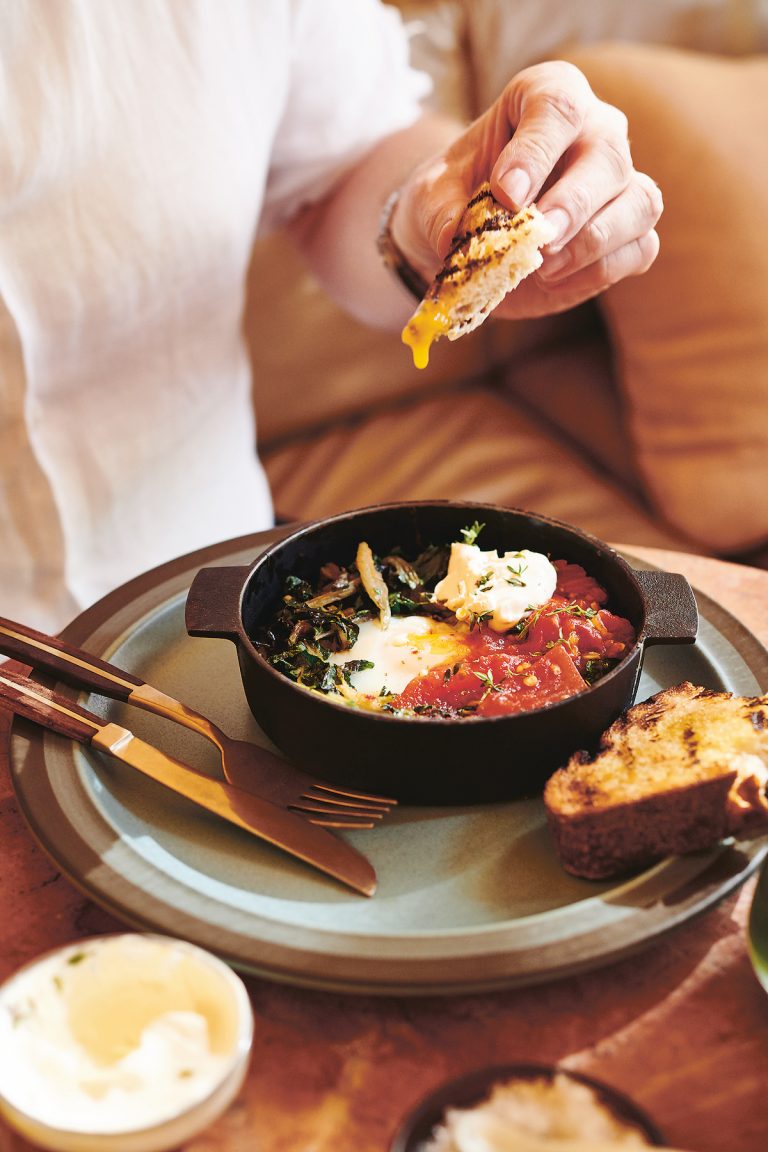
<point x="431" y="206"/>
<point x="447" y="225"/>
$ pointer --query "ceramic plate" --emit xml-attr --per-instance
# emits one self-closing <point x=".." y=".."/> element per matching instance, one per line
<point x="469" y="898"/>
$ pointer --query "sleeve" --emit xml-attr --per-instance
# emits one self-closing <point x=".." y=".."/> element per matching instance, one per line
<point x="351" y="84"/>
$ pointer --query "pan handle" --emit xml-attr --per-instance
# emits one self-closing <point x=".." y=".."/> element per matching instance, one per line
<point x="213" y="602"/>
<point x="672" y="613"/>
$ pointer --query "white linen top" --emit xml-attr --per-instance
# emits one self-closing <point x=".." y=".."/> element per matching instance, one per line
<point x="143" y="144"/>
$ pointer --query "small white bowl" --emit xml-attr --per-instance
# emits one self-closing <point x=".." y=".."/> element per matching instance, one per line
<point x="125" y="1043"/>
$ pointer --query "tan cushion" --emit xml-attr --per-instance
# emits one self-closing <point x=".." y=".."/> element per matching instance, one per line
<point x="504" y="37"/>
<point x="470" y="444"/>
<point x="692" y="334"/>
<point x="570" y="387"/>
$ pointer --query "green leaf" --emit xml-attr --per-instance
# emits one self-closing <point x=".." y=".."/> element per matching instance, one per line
<point x="470" y="535"/>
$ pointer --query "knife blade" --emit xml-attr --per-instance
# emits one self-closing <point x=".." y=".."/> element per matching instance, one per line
<point x="315" y="846"/>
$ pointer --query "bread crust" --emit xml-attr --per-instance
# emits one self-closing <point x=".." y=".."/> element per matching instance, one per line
<point x="677" y="773"/>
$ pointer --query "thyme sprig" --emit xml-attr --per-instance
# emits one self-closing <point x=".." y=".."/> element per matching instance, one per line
<point x="470" y="535"/>
<point x="516" y="577"/>
<point x="489" y="684"/>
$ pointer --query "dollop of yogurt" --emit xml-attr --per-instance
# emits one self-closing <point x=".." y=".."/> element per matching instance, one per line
<point x="498" y="589"/>
<point x="115" y="1035"/>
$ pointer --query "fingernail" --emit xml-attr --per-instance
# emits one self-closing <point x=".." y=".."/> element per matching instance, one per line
<point x="560" y="222"/>
<point x="445" y="236"/>
<point x="517" y="185"/>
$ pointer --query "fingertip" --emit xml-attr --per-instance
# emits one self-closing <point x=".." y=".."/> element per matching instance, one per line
<point x="650" y="246"/>
<point x="560" y="225"/>
<point x="515" y="185"/>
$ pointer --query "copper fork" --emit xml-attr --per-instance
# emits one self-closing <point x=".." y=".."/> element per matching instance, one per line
<point x="244" y="765"/>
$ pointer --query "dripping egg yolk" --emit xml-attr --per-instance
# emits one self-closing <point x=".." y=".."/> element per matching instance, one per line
<point x="428" y="324"/>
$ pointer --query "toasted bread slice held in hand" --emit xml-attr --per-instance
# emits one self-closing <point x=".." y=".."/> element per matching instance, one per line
<point x="675" y="774"/>
<point x="493" y="250"/>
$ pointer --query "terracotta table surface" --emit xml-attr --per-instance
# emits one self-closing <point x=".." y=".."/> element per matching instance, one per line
<point x="682" y="1027"/>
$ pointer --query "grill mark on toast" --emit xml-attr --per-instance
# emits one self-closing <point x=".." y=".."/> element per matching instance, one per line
<point x="691" y="744"/>
<point x="483" y="193"/>
<point x="757" y="719"/>
<point x="501" y="221"/>
<point x="455" y="270"/>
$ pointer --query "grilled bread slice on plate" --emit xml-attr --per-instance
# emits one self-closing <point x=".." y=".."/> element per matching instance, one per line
<point x="492" y="251"/>
<point x="676" y="773"/>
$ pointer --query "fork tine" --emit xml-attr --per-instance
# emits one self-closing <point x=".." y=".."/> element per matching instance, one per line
<point x="350" y="825"/>
<point x="334" y="803"/>
<point x="310" y="804"/>
<point x="366" y="797"/>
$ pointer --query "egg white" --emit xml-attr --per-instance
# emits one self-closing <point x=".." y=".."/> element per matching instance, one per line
<point x="408" y="647"/>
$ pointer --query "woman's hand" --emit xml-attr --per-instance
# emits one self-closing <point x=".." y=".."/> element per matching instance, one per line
<point x="548" y="139"/>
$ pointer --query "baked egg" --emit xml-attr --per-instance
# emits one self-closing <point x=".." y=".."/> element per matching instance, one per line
<point x="408" y="647"/>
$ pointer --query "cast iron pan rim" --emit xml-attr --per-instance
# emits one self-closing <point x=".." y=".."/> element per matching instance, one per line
<point x="302" y="693"/>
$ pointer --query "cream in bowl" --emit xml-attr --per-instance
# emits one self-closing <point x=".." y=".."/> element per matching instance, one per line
<point x="124" y="1043"/>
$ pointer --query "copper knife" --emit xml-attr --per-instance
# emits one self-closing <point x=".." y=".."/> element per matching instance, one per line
<point x="315" y="846"/>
